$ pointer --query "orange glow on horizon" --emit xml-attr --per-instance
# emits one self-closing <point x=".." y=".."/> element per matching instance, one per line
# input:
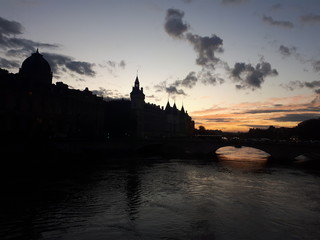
<point x="277" y="112"/>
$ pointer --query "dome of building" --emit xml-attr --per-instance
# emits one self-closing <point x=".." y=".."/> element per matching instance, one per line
<point x="36" y="68"/>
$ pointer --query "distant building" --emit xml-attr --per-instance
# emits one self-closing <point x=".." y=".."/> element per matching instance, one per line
<point x="32" y="107"/>
<point x="154" y="121"/>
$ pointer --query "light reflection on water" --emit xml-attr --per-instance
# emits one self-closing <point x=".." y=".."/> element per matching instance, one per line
<point x="242" y="157"/>
<point x="165" y="199"/>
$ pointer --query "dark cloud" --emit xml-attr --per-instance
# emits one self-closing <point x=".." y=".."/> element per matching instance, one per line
<point x="316" y="65"/>
<point x="296" y="117"/>
<point x="305" y="109"/>
<point x="286" y="51"/>
<point x="206" y="48"/>
<point x="208" y="78"/>
<point x="312" y="84"/>
<point x="114" y="64"/>
<point x="292" y="85"/>
<point x="174" y="25"/>
<point x="311" y="18"/>
<point x="82" y="68"/>
<point x="20" y="47"/>
<point x="154" y="98"/>
<point x="251" y="77"/>
<point x="258" y="111"/>
<point x="17" y="47"/>
<point x="271" y="21"/>
<point x="4" y="63"/>
<point x="10" y="27"/>
<point x="57" y="62"/>
<point x="161" y="86"/>
<point x="219" y="120"/>
<point x="108" y="94"/>
<point x="111" y="64"/>
<point x="64" y="63"/>
<point x="172" y="89"/>
<point x="189" y="81"/>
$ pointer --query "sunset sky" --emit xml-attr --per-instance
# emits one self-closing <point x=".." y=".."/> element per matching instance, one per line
<point x="232" y="64"/>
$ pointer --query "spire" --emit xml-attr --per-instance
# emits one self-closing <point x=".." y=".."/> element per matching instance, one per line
<point x="168" y="107"/>
<point x="182" y="109"/>
<point x="36" y="53"/>
<point x="137" y="83"/>
<point x="174" y="105"/>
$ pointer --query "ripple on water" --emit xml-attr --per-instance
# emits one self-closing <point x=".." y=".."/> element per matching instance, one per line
<point x="176" y="199"/>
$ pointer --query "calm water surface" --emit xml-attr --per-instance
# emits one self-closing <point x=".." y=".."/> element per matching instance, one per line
<point x="167" y="199"/>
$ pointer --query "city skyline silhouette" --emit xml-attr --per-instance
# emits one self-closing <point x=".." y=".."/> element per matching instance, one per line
<point x="235" y="65"/>
<point x="148" y="119"/>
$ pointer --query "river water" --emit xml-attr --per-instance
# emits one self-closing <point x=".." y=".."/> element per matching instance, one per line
<point x="238" y="197"/>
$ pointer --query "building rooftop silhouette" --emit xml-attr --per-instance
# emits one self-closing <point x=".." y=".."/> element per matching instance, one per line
<point x="32" y="107"/>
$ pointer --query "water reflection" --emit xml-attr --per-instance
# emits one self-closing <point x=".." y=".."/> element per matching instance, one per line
<point x="169" y="199"/>
<point x="133" y="191"/>
<point x="242" y="157"/>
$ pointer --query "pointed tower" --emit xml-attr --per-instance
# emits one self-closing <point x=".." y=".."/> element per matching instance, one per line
<point x="168" y="107"/>
<point x="182" y="109"/>
<point x="174" y="108"/>
<point x="137" y="96"/>
<point x="137" y="108"/>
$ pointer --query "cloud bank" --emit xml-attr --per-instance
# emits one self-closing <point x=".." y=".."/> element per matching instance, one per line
<point x="16" y="48"/>
<point x="245" y="75"/>
<point x="292" y="85"/>
<point x="206" y="48"/>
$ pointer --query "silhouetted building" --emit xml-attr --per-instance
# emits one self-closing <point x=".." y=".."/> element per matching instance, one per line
<point x="32" y="107"/>
<point x="154" y="121"/>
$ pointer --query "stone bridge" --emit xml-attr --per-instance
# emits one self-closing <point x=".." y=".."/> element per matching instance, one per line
<point x="280" y="151"/>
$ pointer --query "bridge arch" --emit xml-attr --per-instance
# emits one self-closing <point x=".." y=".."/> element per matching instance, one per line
<point x="240" y="148"/>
